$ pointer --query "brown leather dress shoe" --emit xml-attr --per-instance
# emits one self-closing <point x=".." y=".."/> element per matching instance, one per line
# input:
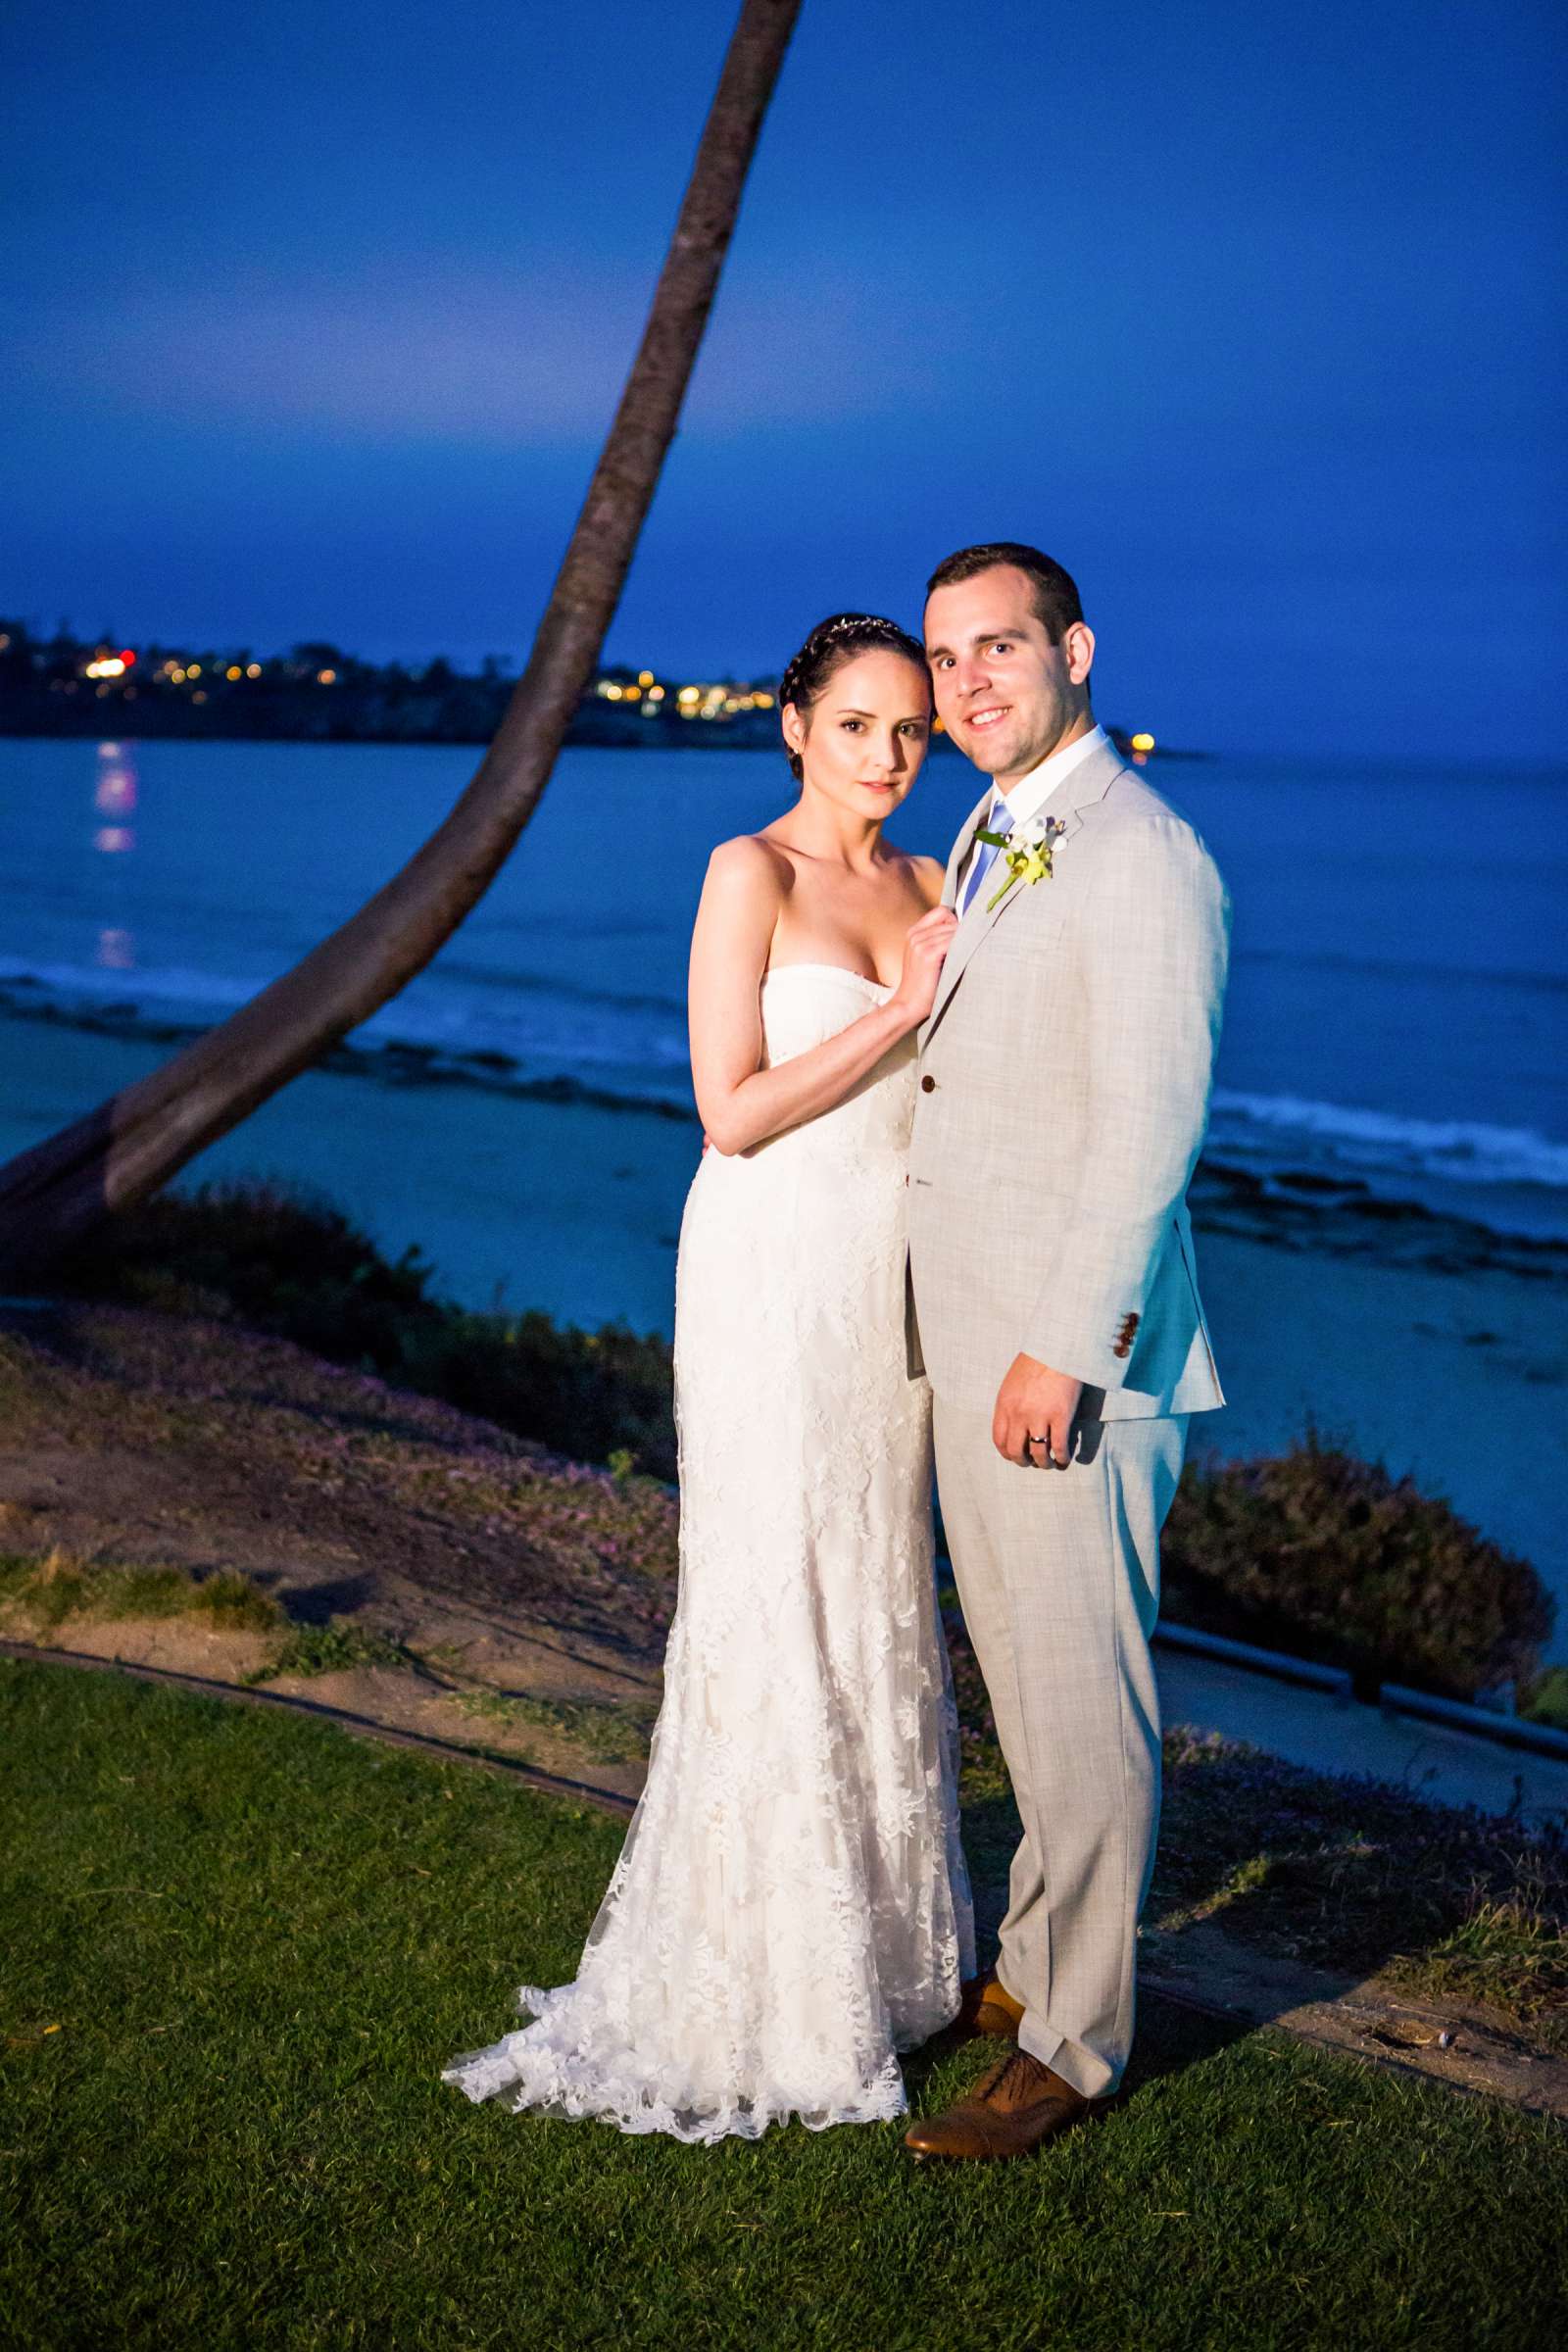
<point x="1011" y="2111"/>
<point x="986" y="2008"/>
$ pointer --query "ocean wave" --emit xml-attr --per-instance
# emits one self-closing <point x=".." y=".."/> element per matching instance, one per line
<point x="569" y="1039"/>
<point x="1459" y="1151"/>
<point x="551" y="1029"/>
<point x="99" y="984"/>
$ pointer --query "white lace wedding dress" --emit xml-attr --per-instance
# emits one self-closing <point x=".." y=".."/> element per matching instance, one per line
<point x="791" y="1905"/>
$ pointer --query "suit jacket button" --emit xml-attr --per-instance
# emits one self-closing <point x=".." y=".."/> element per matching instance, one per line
<point x="928" y="1085"/>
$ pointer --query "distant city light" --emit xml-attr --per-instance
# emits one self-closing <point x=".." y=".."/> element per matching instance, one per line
<point x="101" y="669"/>
<point x="1143" y="743"/>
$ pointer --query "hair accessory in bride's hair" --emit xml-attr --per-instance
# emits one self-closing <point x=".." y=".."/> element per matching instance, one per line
<point x="833" y="642"/>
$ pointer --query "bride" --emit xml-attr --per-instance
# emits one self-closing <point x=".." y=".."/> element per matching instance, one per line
<point x="791" y="1907"/>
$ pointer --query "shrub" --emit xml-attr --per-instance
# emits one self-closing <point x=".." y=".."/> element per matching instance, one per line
<point x="275" y="1257"/>
<point x="1328" y="1558"/>
<point x="279" y="1260"/>
<point x="592" y="1394"/>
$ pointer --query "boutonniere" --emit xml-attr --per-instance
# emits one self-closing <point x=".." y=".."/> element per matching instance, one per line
<point x="1026" y="852"/>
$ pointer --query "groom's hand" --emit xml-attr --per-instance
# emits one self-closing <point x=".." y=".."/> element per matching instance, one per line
<point x="1032" y="1401"/>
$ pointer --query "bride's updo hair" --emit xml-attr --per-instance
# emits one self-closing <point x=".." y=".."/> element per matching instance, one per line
<point x="831" y="644"/>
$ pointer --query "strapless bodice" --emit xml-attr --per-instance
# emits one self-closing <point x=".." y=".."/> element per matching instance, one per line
<point x="803" y="1005"/>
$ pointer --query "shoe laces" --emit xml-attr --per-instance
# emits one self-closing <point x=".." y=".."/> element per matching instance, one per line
<point x="1014" y="2073"/>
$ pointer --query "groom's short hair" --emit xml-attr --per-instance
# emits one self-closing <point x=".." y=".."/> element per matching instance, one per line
<point x="1055" y="591"/>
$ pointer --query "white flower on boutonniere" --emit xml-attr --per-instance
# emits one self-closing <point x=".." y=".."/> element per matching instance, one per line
<point x="1026" y="852"/>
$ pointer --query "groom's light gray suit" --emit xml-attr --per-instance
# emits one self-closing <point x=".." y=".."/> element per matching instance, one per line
<point x="1064" y="1082"/>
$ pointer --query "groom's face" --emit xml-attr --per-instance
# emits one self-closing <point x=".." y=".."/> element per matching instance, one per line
<point x="1004" y="692"/>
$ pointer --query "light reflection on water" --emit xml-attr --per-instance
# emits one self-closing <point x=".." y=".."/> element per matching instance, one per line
<point x="116" y="782"/>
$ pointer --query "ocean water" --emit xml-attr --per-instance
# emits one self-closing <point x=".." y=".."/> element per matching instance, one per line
<point x="1395" y="1031"/>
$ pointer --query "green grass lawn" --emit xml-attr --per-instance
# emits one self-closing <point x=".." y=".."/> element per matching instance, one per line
<point x="239" y="1948"/>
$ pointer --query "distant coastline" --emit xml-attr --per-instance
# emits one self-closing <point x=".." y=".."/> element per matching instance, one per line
<point x="76" y="688"/>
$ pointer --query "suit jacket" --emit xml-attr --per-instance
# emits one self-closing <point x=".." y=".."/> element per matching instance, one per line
<point x="1064" y="1080"/>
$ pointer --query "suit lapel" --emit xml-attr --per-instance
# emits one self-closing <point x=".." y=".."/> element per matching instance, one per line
<point x="1090" y="784"/>
<point x="1087" y="786"/>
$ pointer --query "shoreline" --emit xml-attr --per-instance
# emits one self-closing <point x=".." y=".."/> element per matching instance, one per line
<point x="1455" y="1372"/>
<point x="1301" y="1207"/>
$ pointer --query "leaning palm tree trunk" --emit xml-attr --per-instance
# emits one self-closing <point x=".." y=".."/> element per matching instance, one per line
<point x="119" y="1153"/>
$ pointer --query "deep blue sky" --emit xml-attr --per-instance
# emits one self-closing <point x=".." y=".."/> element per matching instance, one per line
<point x="315" y="315"/>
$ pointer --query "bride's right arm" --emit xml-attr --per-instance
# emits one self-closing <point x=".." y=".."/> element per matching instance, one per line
<point x="739" y="1103"/>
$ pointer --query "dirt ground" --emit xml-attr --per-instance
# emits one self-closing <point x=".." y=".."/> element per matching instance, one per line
<point x="501" y="1573"/>
<point x="510" y="1602"/>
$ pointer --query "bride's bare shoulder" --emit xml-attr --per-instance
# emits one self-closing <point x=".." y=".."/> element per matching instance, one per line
<point x="749" y="866"/>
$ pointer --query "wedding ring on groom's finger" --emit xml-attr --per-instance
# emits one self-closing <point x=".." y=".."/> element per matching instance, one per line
<point x="1030" y="1443"/>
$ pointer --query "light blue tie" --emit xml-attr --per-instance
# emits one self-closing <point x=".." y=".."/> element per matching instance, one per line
<point x="986" y="854"/>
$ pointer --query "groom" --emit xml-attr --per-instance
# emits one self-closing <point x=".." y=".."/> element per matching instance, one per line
<point x="1064" y="1082"/>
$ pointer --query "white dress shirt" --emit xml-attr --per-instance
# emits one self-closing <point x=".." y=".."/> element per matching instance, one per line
<point x="1033" y="791"/>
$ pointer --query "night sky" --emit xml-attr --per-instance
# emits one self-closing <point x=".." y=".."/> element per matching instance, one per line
<point x="315" y="315"/>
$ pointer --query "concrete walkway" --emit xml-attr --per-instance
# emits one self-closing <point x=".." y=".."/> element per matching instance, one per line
<point x="1330" y="1734"/>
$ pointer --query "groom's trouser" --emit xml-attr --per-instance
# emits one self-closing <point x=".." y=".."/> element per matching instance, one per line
<point x="1059" y="1573"/>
